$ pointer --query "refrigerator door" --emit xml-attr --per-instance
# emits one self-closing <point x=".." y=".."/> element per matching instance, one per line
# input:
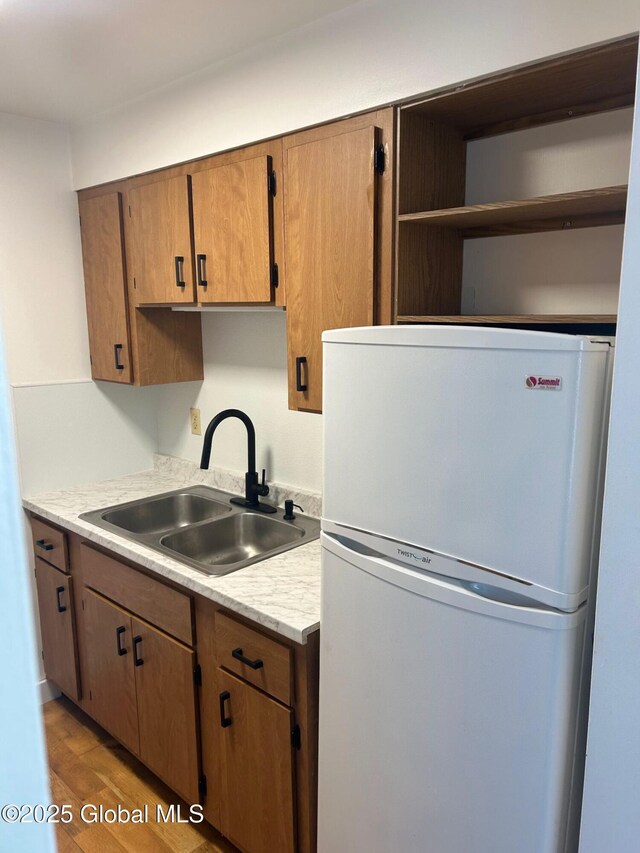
<point x="483" y="445"/>
<point x="447" y="720"/>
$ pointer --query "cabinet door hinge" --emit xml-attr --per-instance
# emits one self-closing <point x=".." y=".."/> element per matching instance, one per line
<point x="295" y="737"/>
<point x="197" y="675"/>
<point x="275" y="275"/>
<point x="271" y="183"/>
<point x="202" y="786"/>
<point x="379" y="160"/>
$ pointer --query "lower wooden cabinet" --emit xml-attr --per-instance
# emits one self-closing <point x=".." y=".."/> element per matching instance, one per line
<point x="141" y="686"/>
<point x="164" y="672"/>
<point x="109" y="654"/>
<point x="58" y="628"/>
<point x="256" y="782"/>
<point x="223" y="712"/>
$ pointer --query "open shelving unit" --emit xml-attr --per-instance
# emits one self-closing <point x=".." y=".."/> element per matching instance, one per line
<point x="433" y="220"/>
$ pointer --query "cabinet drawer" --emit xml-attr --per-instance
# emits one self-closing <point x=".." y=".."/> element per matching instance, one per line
<point x="272" y="661"/>
<point x="159" y="604"/>
<point x="50" y="544"/>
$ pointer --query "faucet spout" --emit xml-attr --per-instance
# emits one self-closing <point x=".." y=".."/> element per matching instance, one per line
<point x="251" y="438"/>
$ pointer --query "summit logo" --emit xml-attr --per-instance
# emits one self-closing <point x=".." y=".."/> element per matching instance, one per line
<point x="543" y="383"/>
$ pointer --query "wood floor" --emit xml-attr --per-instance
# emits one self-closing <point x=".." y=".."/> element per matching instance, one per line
<point x="88" y="766"/>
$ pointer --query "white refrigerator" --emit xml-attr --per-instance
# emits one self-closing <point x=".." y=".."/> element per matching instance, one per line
<point x="462" y="494"/>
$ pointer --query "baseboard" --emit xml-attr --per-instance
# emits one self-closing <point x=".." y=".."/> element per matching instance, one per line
<point x="48" y="691"/>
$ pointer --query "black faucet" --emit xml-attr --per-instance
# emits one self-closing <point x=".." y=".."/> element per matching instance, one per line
<point x="253" y="489"/>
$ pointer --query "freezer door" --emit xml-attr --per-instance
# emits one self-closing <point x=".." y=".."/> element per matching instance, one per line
<point x="447" y="720"/>
<point x="455" y="448"/>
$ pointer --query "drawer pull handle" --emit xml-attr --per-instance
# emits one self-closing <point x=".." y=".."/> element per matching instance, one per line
<point x="61" y="606"/>
<point x="179" y="261"/>
<point x="254" y="664"/>
<point x="225" y="721"/>
<point x="300" y="385"/>
<point x="138" y="661"/>
<point x="119" y="632"/>
<point x="46" y="546"/>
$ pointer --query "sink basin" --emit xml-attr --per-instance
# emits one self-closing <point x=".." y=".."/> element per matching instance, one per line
<point x="162" y="514"/>
<point x="234" y="539"/>
<point x="199" y="526"/>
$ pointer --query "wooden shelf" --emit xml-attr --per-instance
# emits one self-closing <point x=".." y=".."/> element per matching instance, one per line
<point x="510" y="319"/>
<point x="583" y="209"/>
<point x="594" y="80"/>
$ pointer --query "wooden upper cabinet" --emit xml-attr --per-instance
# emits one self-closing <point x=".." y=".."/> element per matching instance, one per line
<point x="162" y="255"/>
<point x="233" y="231"/>
<point x="330" y="217"/>
<point x="101" y="229"/>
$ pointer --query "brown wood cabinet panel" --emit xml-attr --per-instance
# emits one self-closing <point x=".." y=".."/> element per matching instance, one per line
<point x="256" y="767"/>
<point x="105" y="283"/>
<point x="109" y="654"/>
<point x="274" y="676"/>
<point x="55" y="604"/>
<point x="161" y="229"/>
<point x="164" y="673"/>
<point x="232" y="221"/>
<point x="330" y="194"/>
<point x="50" y="544"/>
<point x="154" y="601"/>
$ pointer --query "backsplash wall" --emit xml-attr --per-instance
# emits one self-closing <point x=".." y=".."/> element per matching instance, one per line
<point x="245" y="367"/>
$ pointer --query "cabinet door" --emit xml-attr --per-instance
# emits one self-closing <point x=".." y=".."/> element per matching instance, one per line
<point x="329" y="223"/>
<point x="232" y="222"/>
<point x="164" y="672"/>
<point x="162" y="250"/>
<point x="256" y="769"/>
<point x="55" y="604"/>
<point x="109" y="656"/>
<point x="103" y="258"/>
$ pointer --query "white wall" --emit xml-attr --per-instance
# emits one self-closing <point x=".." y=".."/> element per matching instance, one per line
<point x="611" y="817"/>
<point x="245" y="365"/>
<point x="366" y="55"/>
<point x="42" y="312"/>
<point x="41" y="291"/>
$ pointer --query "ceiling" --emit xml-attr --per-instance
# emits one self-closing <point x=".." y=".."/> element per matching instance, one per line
<point x="67" y="60"/>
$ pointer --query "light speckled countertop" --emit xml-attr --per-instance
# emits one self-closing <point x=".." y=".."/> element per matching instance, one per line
<point x="282" y="593"/>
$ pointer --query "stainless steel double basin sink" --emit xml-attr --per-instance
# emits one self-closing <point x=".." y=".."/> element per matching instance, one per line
<point x="200" y="527"/>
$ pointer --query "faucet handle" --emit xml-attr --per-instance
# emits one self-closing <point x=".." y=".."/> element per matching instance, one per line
<point x="263" y="489"/>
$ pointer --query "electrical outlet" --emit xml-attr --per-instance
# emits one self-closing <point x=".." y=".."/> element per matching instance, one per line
<point x="196" y="427"/>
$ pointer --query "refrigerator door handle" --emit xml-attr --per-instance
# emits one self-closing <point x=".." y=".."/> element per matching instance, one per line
<point x="458" y="593"/>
